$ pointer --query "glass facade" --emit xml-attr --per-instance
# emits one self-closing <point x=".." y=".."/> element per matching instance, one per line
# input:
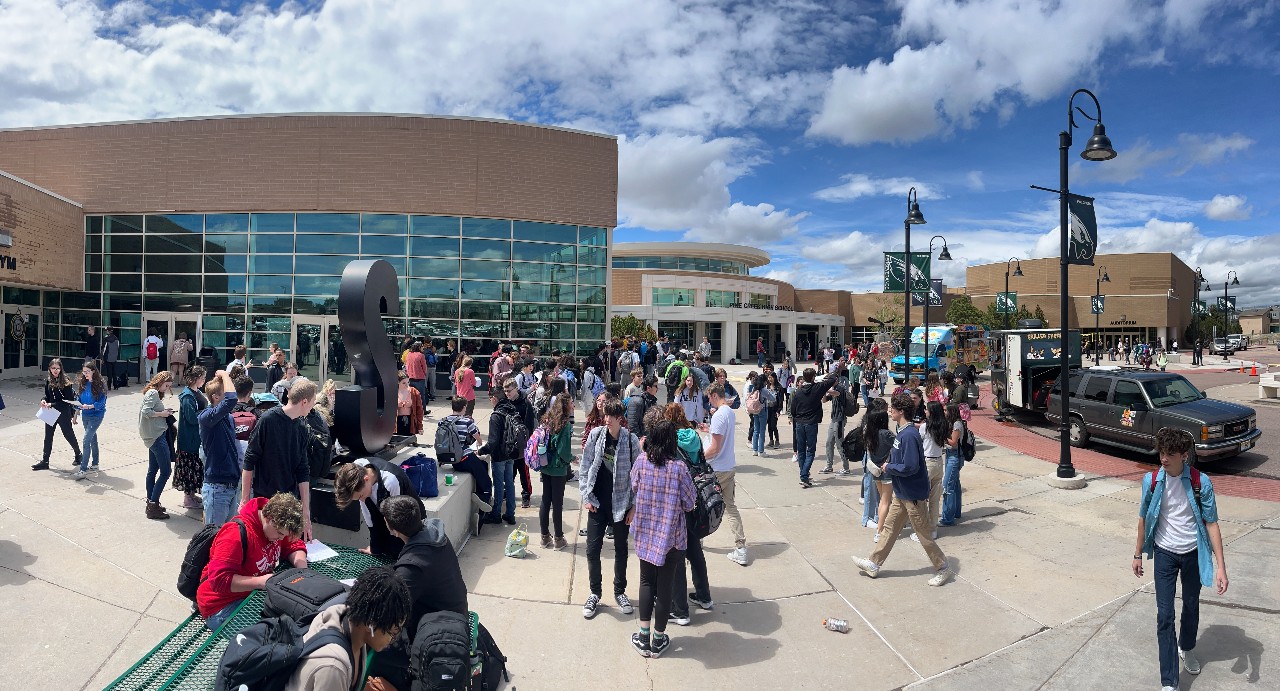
<point x="721" y="298"/>
<point x="248" y="274"/>
<point x="681" y="264"/>
<point x="759" y="300"/>
<point x="673" y="296"/>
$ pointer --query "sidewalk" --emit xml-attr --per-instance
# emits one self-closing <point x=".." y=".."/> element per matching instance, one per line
<point x="1043" y="597"/>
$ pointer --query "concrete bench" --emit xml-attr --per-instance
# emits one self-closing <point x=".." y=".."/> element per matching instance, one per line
<point x="1269" y="385"/>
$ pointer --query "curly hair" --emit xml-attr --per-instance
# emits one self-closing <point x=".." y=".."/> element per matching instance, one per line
<point x="157" y="381"/>
<point x="660" y="441"/>
<point x="379" y="599"/>
<point x="285" y="512"/>
<point x="675" y="413"/>
<point x="1170" y="441"/>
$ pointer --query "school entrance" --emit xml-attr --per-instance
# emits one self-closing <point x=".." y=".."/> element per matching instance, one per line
<point x="21" y="341"/>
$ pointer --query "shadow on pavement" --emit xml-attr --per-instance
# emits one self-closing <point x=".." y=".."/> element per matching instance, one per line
<point x="721" y="650"/>
<point x="1220" y="643"/>
<point x="13" y="560"/>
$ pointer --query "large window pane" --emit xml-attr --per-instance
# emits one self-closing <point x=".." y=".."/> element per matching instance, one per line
<point x="545" y="232"/>
<point x="593" y="256"/>
<point x="173" y="263"/>
<point x="486" y="249"/>
<point x="593" y="315"/>
<point x="434" y="247"/>
<point x="433" y="268"/>
<point x="435" y="225"/>
<point x="482" y="290"/>
<point x="226" y="223"/>
<point x="276" y="305"/>
<point x="271" y="264"/>
<point x="493" y="271"/>
<point x="316" y="285"/>
<point x="591" y="296"/>
<point x="271" y="223"/>
<point x="543" y="273"/>
<point x="173" y="283"/>
<point x="721" y="298"/>
<point x="116" y="244"/>
<point x="122" y="283"/>
<point x="330" y="244"/>
<point x="93" y="225"/>
<point x="593" y="332"/>
<point x="433" y="309"/>
<point x="93" y="244"/>
<point x="438" y="290"/>
<point x="123" y="302"/>
<point x="226" y="283"/>
<point x="271" y="244"/>
<point x="224" y="302"/>
<point x="542" y="292"/>
<point x="226" y="263"/>
<point x="329" y="223"/>
<point x="486" y="228"/>
<point x="672" y="296"/>
<point x="382" y="246"/>
<point x="542" y="332"/>
<point x="171" y="302"/>
<point x="92" y="263"/>
<point x="315" y="305"/>
<point x="537" y="252"/>
<point x="113" y="225"/>
<point x="318" y="264"/>
<point x="231" y="242"/>
<point x="83" y="301"/>
<point x="486" y="310"/>
<point x="384" y="224"/>
<point x="176" y="223"/>
<point x="270" y="285"/>
<point x="543" y="313"/>
<point x="591" y="276"/>
<point x="593" y="236"/>
<point x="483" y="329"/>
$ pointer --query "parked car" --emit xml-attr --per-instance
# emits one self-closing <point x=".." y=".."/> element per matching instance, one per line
<point x="1125" y="407"/>
<point x="1221" y="346"/>
<point x="1238" y="341"/>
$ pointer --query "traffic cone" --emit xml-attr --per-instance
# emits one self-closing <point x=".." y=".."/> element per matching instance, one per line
<point x="1253" y="371"/>
<point x="1241" y="367"/>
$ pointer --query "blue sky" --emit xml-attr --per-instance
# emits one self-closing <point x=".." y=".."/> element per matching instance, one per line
<point x="791" y="125"/>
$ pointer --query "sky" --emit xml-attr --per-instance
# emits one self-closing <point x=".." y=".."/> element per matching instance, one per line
<point x="795" y="126"/>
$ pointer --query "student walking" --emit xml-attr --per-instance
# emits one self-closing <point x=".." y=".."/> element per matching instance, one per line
<point x="835" y="431"/>
<point x="607" y="458"/>
<point x="955" y="461"/>
<point x="93" y="405"/>
<point x="59" y="396"/>
<point x="180" y="355"/>
<point x="556" y="472"/>
<point x="721" y="456"/>
<point x="188" y="469"/>
<point x="910" y="497"/>
<point x="152" y="425"/>
<point x="664" y="493"/>
<point x="758" y="408"/>
<point x="876" y="490"/>
<point x="1178" y="528"/>
<point x="110" y="356"/>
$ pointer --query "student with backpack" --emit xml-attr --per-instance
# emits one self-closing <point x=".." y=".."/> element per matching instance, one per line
<point x="455" y="435"/>
<point x="843" y="406"/>
<point x="758" y="409"/>
<point x="689" y="448"/>
<point x="509" y="430"/>
<point x="220" y="489"/>
<point x="674" y="376"/>
<point x="180" y="355"/>
<point x="151" y="348"/>
<point x="245" y="552"/>
<point x="559" y="454"/>
<point x="607" y="456"/>
<point x="1178" y="528"/>
<point x="959" y="450"/>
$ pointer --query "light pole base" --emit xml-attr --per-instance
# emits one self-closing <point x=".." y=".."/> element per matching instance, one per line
<point x="1076" y="482"/>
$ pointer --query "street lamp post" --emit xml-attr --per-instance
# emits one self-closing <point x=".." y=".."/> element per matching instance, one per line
<point x="1098" y="148"/>
<point x="1233" y="279"/>
<point x="1097" y="316"/>
<point x="914" y="218"/>
<point x="1195" y="319"/>
<point x="945" y="256"/>
<point x="1017" y="273"/>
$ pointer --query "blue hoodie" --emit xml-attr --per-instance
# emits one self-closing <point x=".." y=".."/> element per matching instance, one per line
<point x="218" y="435"/>
<point x="906" y="466"/>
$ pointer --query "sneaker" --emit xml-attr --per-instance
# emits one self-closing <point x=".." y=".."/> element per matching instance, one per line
<point x="679" y="620"/>
<point x="191" y="503"/>
<point x="582" y="532"/>
<point x="706" y="604"/>
<point x="42" y="465"/>
<point x="827" y="469"/>
<point x="846" y="472"/>
<point x="546" y="541"/>
<point x="806" y="483"/>
<point x="873" y="525"/>
<point x="941" y="577"/>
<point x="561" y="543"/>
<point x="509" y="520"/>
<point x="480" y="504"/>
<point x="1168" y="688"/>
<point x="877" y="537"/>
<point x="738" y="556"/>
<point x="80" y="475"/>
<point x="659" y="645"/>
<point x="1189" y="661"/>
<point x="862" y="500"/>
<point x="867" y="566"/>
<point x="589" y="609"/>
<point x="640" y="643"/>
<point x="608" y="532"/>
<point x="915" y="537"/>
<point x="624" y="603"/>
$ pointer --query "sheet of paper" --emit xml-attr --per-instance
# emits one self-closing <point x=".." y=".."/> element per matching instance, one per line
<point x="318" y="551"/>
<point x="48" y="416"/>
<point x="349" y="582"/>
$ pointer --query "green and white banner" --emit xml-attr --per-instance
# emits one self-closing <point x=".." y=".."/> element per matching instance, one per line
<point x="1200" y="307"/>
<point x="1099" y="304"/>
<point x="1082" y="243"/>
<point x="895" y="270"/>
<point x="935" y="295"/>
<point x="1006" y="303"/>
<point x="1228" y="303"/>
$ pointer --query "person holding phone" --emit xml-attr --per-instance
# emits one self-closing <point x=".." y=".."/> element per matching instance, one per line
<point x="152" y="426"/>
<point x="93" y="405"/>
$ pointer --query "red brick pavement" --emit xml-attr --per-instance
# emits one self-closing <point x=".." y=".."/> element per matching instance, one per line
<point x="1015" y="438"/>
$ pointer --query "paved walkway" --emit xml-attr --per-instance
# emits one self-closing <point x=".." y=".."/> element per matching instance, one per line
<point x="1043" y="597"/>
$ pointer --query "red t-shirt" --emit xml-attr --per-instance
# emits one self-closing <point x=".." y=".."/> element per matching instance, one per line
<point x="225" y="559"/>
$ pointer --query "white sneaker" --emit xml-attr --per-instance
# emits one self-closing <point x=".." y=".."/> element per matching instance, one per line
<point x="877" y="537"/>
<point x="1168" y="688"/>
<point x="80" y="475"/>
<point x="680" y="621"/>
<point x="589" y="609"/>
<point x="915" y="537"/>
<point x="624" y="603"/>
<point x="738" y="556"/>
<point x="941" y="577"/>
<point x="867" y="566"/>
<point x="1189" y="661"/>
<point x="862" y="500"/>
<point x="872" y="525"/>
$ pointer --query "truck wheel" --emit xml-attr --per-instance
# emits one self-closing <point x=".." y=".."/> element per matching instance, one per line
<point x="1076" y="433"/>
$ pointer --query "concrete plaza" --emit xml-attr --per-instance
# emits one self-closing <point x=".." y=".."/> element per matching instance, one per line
<point x="1043" y="596"/>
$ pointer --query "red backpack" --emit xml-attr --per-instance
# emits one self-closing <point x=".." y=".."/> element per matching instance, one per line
<point x="244" y="419"/>
<point x="153" y="351"/>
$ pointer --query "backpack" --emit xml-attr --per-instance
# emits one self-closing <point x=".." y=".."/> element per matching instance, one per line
<point x="299" y="594"/>
<point x="431" y="360"/>
<point x="849" y="402"/>
<point x="447" y="439"/>
<point x="441" y="654"/>
<point x="705" y="517"/>
<point x="754" y="404"/>
<point x="592" y="381"/>
<point x="196" y="558"/>
<point x="263" y="656"/>
<point x="319" y="444"/>
<point x="1195" y="487"/>
<point x="674" y="376"/>
<point x="515" y="434"/>
<point x="244" y="419"/>
<point x="493" y="664"/>
<point x="969" y="446"/>
<point x="626" y="363"/>
<point x="853" y="445"/>
<point x="535" y="450"/>
<point x="153" y="351"/>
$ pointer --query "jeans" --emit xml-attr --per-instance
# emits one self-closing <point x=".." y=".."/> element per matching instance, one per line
<point x="596" y="523"/>
<point x="150" y="368"/>
<point x="159" y="461"/>
<point x="701" y="586"/>
<point x="552" y="506"/>
<point x="504" y="487"/>
<point x="866" y="396"/>
<point x="1168" y="568"/>
<point x="760" y="360"/>
<point x="870" y="497"/>
<point x="421" y="386"/>
<point x="655" y="589"/>
<point x="215" y="621"/>
<point x="91" y="424"/>
<point x="951" y="488"/>
<point x="758" y="424"/>
<point x="806" y="447"/>
<point x="835" y="435"/>
<point x="220" y="502"/>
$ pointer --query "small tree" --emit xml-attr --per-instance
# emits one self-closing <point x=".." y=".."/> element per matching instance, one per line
<point x="962" y="311"/>
<point x="630" y="325"/>
<point x="888" y="313"/>
<point x="1039" y="314"/>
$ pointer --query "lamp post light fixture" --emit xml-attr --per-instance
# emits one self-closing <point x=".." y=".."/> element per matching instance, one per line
<point x="944" y="256"/>
<point x="1195" y="317"/>
<point x="1097" y="316"/>
<point x="1233" y="279"/>
<point x="914" y="218"/>
<point x="1098" y="148"/>
<point x="1017" y="273"/>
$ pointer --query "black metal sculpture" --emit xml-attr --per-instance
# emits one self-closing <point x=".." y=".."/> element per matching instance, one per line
<point x="365" y="414"/>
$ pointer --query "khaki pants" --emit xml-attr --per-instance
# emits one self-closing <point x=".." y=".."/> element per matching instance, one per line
<point x="936" y="467"/>
<point x="899" y="512"/>
<point x="731" y="514"/>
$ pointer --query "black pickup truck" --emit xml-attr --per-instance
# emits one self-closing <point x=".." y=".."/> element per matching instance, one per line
<point x="1126" y="407"/>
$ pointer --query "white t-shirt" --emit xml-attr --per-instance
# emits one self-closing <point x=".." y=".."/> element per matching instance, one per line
<point x="389" y="481"/>
<point x="931" y="448"/>
<point x="723" y="423"/>
<point x="1176" y="527"/>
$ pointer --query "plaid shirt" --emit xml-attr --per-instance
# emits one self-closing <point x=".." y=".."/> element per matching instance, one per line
<point x="663" y="494"/>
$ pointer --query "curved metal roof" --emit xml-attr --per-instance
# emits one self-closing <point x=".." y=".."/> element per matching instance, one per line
<point x="750" y="256"/>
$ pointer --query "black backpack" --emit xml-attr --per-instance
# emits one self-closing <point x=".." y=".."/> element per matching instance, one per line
<point x="319" y="444"/>
<point x="705" y="517"/>
<point x="263" y="656"/>
<point x="440" y="659"/>
<point x="674" y="376"/>
<point x="197" y="557"/>
<point x="515" y="434"/>
<point x="968" y="445"/>
<point x="853" y="446"/>
<point x="300" y="594"/>
<point x="493" y="664"/>
<point x="849" y="402"/>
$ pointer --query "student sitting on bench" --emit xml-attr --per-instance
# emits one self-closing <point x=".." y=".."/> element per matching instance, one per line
<point x="468" y="434"/>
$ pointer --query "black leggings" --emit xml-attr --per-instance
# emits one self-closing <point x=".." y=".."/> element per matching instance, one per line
<point x="655" y="589"/>
<point x="64" y="423"/>
<point x="773" y="425"/>
<point x="552" y="499"/>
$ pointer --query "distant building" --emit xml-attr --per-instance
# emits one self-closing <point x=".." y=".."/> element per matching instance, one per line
<point x="1263" y="320"/>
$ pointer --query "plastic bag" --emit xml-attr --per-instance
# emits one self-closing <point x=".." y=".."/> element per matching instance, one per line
<point x="517" y="542"/>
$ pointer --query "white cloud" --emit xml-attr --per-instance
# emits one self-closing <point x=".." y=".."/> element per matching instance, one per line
<point x="857" y="185"/>
<point x="1131" y="163"/>
<point x="970" y="60"/>
<point x="1208" y="149"/>
<point x="1227" y="207"/>
<point x="975" y="181"/>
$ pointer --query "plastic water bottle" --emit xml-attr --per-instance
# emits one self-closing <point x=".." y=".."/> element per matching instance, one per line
<point x="839" y="625"/>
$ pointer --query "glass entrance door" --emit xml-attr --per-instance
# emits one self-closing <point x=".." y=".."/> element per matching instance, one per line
<point x="21" y="341"/>
<point x="318" y="349"/>
<point x="169" y="326"/>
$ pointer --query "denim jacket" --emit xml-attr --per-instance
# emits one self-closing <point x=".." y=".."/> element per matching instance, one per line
<point x="1151" y="504"/>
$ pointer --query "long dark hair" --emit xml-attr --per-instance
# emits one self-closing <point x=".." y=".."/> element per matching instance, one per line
<point x="557" y="415"/>
<point x="936" y="423"/>
<point x="96" y="384"/>
<point x="660" y="441"/>
<point x="875" y="421"/>
<point x="953" y="414"/>
<point x="60" y="381"/>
